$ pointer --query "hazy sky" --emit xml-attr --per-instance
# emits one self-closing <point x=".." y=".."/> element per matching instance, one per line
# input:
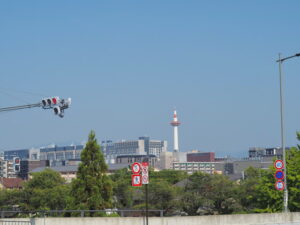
<point x="128" y="64"/>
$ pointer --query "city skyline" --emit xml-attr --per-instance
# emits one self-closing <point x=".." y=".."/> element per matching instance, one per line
<point x="126" y="66"/>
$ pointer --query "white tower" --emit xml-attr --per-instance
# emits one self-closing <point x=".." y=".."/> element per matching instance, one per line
<point x="175" y="123"/>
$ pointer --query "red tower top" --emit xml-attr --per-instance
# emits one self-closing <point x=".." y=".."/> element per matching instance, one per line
<point x="175" y="122"/>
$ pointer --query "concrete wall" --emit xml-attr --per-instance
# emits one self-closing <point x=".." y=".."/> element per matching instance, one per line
<point x="241" y="219"/>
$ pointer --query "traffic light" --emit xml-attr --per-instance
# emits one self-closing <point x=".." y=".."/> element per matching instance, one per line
<point x="58" y="111"/>
<point x="58" y="105"/>
<point x="63" y="104"/>
<point x="16" y="164"/>
<point x="50" y="102"/>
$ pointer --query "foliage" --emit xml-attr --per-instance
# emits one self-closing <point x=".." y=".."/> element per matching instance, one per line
<point x="123" y="191"/>
<point x="92" y="189"/>
<point x="258" y="193"/>
<point x="266" y="197"/>
<point x="10" y="199"/>
<point x="170" y="176"/>
<point x="163" y="195"/>
<point x="293" y="176"/>
<point x="210" y="194"/>
<point x="45" y="191"/>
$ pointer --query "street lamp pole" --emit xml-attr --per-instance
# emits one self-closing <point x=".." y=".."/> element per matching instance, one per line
<point x="285" y="191"/>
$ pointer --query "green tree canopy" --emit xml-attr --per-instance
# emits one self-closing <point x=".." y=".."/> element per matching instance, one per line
<point x="210" y="194"/>
<point x="45" y="191"/>
<point x="92" y="189"/>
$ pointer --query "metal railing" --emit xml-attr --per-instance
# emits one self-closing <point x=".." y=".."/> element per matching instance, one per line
<point x="15" y="222"/>
<point x="80" y="213"/>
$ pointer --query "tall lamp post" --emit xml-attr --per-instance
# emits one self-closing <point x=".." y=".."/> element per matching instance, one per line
<point x="285" y="191"/>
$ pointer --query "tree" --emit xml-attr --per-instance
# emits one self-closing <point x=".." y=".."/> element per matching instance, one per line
<point x="211" y="194"/>
<point x="45" y="191"/>
<point x="258" y="188"/>
<point x="162" y="195"/>
<point x="170" y="176"/>
<point x="248" y="189"/>
<point x="123" y="191"/>
<point x="293" y="178"/>
<point x="92" y="189"/>
<point x="10" y="198"/>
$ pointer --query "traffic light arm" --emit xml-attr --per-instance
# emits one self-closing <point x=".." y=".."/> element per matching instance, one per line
<point x="13" y="108"/>
<point x="58" y="105"/>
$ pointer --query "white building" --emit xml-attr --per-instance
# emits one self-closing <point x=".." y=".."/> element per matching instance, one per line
<point x="142" y="146"/>
<point x="7" y="169"/>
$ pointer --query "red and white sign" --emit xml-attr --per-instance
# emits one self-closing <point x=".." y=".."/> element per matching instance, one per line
<point x="279" y="185"/>
<point x="136" y="180"/>
<point x="278" y="164"/>
<point x="136" y="168"/>
<point x="145" y="173"/>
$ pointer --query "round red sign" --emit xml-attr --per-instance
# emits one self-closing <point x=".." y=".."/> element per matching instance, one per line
<point x="279" y="185"/>
<point x="278" y="164"/>
<point x="136" y="168"/>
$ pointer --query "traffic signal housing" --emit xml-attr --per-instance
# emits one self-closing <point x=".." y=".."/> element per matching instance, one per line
<point x="63" y="104"/>
<point x="50" y="102"/>
<point x="16" y="163"/>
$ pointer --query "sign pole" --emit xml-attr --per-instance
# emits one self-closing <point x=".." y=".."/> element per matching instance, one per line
<point x="146" y="189"/>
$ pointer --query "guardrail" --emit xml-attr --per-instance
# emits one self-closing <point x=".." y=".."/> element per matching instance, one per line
<point x="15" y="222"/>
<point x="81" y="213"/>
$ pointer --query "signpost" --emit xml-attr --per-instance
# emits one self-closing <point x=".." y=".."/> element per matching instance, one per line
<point x="140" y="176"/>
<point x="145" y="173"/>
<point x="279" y="175"/>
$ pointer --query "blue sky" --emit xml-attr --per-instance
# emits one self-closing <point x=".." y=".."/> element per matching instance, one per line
<point x="128" y="64"/>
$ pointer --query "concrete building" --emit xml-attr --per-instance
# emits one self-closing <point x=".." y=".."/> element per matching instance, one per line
<point x="255" y="152"/>
<point x="233" y="168"/>
<point x="129" y="159"/>
<point x="142" y="146"/>
<point x="166" y="160"/>
<point x="236" y="169"/>
<point x="27" y="166"/>
<point x="67" y="172"/>
<point x="200" y="157"/>
<point x="61" y="153"/>
<point x="191" y="167"/>
<point x="7" y="169"/>
<point x="23" y="154"/>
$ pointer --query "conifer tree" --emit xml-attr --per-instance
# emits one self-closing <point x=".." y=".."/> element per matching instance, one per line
<point x="92" y="189"/>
